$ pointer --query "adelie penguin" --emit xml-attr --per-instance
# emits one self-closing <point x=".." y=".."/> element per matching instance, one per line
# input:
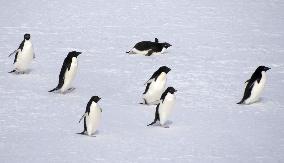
<point x="92" y="117"/>
<point x="24" y="55"/>
<point x="148" y="47"/>
<point x="165" y="107"/>
<point x="155" y="86"/>
<point x="254" y="86"/>
<point x="68" y="72"/>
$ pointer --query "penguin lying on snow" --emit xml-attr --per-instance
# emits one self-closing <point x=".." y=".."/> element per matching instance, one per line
<point x="148" y="47"/>
<point x="165" y="107"/>
<point x="254" y="86"/>
<point x="68" y="72"/>
<point x="92" y="117"/>
<point x="155" y="86"/>
<point x="24" y="55"/>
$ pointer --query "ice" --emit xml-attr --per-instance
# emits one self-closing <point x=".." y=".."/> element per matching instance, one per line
<point x="217" y="45"/>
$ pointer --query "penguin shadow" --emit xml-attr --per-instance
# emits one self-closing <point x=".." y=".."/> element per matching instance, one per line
<point x="70" y="90"/>
<point x="257" y="102"/>
<point x="166" y="125"/>
<point x="14" y="72"/>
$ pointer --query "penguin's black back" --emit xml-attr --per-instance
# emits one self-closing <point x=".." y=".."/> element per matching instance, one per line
<point x="88" y="106"/>
<point x="21" y="46"/>
<point x="66" y="66"/>
<point x="147" y="45"/>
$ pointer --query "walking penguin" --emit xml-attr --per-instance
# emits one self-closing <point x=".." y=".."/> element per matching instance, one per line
<point x="254" y="86"/>
<point x="165" y="107"/>
<point x="23" y="55"/>
<point x="92" y="117"/>
<point x="68" y="72"/>
<point x="155" y="86"/>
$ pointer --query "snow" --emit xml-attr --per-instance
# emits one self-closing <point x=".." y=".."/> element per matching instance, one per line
<point x="217" y="45"/>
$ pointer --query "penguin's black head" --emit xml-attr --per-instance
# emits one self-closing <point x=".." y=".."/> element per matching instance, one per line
<point x="262" y="68"/>
<point x="171" y="90"/>
<point x="27" y="36"/>
<point x="95" y="99"/>
<point x="166" y="45"/>
<point x="164" y="69"/>
<point x="74" y="54"/>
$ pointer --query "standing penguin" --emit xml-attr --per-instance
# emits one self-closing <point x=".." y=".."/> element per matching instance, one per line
<point x="155" y="86"/>
<point x="92" y="116"/>
<point x="148" y="47"/>
<point x="24" y="55"/>
<point x="68" y="72"/>
<point x="165" y="107"/>
<point x="254" y="86"/>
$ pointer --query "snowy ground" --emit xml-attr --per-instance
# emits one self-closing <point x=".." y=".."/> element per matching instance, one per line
<point x="217" y="45"/>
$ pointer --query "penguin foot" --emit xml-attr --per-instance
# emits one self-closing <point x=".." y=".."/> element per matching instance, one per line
<point x="71" y="89"/>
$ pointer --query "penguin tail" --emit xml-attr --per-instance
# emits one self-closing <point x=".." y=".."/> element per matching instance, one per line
<point x="144" y="103"/>
<point x="128" y="52"/>
<point x="241" y="102"/>
<point x="82" y="133"/>
<point x="12" y="71"/>
<point x="152" y="123"/>
<point x="53" y="89"/>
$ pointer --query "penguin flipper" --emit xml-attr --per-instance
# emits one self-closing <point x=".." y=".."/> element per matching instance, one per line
<point x="147" y="88"/>
<point x="83" y="116"/>
<point x="14" y="52"/>
<point x="150" y="52"/>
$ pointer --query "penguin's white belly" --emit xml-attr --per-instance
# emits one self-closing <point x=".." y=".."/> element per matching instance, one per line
<point x="93" y="121"/>
<point x="166" y="108"/>
<point x="136" y="51"/>
<point x="155" y="92"/>
<point x="24" y="57"/>
<point x="69" y="76"/>
<point x="256" y="90"/>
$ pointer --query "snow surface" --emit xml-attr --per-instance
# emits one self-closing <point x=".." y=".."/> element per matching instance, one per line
<point x="217" y="45"/>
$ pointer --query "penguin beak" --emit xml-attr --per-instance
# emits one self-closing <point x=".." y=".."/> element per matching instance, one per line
<point x="267" y="68"/>
<point x="78" y="53"/>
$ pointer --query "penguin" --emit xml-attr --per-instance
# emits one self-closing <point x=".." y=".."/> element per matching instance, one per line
<point x="165" y="107"/>
<point x="68" y="72"/>
<point x="254" y="86"/>
<point x="155" y="86"/>
<point x="92" y="116"/>
<point x="24" y="55"/>
<point x="148" y="48"/>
